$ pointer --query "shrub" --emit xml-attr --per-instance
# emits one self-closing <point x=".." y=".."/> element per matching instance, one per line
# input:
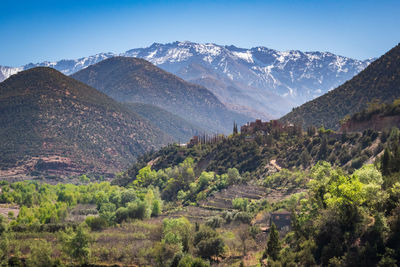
<point x="41" y="255"/>
<point x="240" y="203"/>
<point x="137" y="210"/>
<point x="215" y="222"/>
<point x="242" y="217"/>
<point x="189" y="261"/>
<point x="96" y="223"/>
<point x="121" y="214"/>
<point x="77" y="244"/>
<point x="208" y="243"/>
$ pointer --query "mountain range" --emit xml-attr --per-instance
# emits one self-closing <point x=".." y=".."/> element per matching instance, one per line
<point x="380" y="81"/>
<point x="259" y="82"/>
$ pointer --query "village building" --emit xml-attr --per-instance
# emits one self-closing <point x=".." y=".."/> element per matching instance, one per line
<point x="281" y="219"/>
<point x="267" y="127"/>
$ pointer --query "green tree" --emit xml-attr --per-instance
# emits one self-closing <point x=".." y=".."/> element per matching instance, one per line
<point x="77" y="244"/>
<point x="385" y="162"/>
<point x="233" y="176"/>
<point x="208" y="243"/>
<point x="177" y="231"/>
<point x="323" y="149"/>
<point x="273" y="244"/>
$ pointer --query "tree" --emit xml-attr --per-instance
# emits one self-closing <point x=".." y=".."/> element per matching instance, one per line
<point x="385" y="162"/>
<point x="233" y="176"/>
<point x="208" y="243"/>
<point x="235" y="128"/>
<point x="177" y="231"/>
<point x="323" y="148"/>
<point x="273" y="244"/>
<point x="77" y="244"/>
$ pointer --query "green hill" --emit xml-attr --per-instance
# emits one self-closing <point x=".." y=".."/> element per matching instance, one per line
<point x="53" y="124"/>
<point x="380" y="80"/>
<point x="136" y="80"/>
<point x="180" y="129"/>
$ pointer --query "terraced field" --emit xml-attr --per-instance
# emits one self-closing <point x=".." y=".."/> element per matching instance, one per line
<point x="222" y="201"/>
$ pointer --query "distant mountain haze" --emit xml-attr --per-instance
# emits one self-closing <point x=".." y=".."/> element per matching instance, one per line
<point x="259" y="82"/>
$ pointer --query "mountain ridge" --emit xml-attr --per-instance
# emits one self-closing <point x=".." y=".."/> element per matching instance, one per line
<point x="129" y="79"/>
<point x="259" y="81"/>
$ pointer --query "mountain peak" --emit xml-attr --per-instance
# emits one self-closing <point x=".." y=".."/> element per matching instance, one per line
<point x="259" y="81"/>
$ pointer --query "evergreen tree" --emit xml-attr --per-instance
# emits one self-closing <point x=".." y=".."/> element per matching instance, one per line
<point x="273" y="244"/>
<point x="323" y="148"/>
<point x="385" y="165"/>
<point x="235" y="128"/>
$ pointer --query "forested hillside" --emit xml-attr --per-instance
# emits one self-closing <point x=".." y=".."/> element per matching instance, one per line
<point x="254" y="153"/>
<point x="222" y="202"/>
<point x="137" y="80"/>
<point x="51" y="124"/>
<point x="380" y="80"/>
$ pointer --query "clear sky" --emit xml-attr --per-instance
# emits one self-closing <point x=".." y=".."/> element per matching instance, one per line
<point x="35" y="31"/>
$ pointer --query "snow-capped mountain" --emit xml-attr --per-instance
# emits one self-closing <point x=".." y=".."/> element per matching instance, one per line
<point x="261" y="82"/>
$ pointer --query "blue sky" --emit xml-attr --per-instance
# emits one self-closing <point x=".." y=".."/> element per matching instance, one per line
<point x="34" y="31"/>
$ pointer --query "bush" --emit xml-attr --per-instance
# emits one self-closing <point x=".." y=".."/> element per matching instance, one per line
<point x="41" y="255"/>
<point x="240" y="203"/>
<point x="157" y="207"/>
<point x="121" y="214"/>
<point x="208" y="243"/>
<point x="77" y="244"/>
<point x="189" y="261"/>
<point x="215" y="222"/>
<point x="358" y="162"/>
<point x="137" y="210"/>
<point x="242" y="217"/>
<point x="96" y="223"/>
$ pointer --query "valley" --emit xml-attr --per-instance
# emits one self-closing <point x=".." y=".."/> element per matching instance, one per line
<point x="154" y="157"/>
